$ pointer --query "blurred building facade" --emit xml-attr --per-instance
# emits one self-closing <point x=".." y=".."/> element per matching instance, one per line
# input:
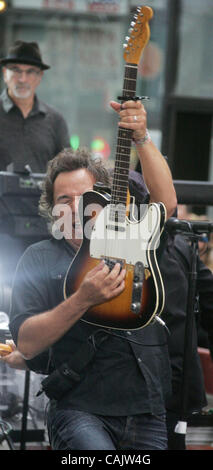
<point x="83" y="42"/>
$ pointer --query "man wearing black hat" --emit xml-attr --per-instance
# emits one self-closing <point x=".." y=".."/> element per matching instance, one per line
<point x="31" y="132"/>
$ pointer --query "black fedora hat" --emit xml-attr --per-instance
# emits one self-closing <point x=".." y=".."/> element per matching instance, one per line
<point x="24" y="53"/>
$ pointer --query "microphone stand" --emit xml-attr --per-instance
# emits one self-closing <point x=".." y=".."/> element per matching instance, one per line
<point x="192" y="230"/>
<point x="181" y="426"/>
<point x="25" y="411"/>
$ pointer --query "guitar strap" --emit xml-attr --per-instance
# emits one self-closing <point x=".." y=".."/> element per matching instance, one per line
<point x="65" y="377"/>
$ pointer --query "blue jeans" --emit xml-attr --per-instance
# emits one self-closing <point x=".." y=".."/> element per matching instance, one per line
<point x="78" y="430"/>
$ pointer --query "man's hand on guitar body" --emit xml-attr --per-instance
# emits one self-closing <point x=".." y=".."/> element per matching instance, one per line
<point x="101" y="284"/>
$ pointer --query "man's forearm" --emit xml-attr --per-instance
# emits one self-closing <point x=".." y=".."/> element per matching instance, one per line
<point x="157" y="176"/>
<point x="39" y="332"/>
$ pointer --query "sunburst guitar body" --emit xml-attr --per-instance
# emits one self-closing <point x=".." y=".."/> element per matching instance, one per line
<point x="133" y="244"/>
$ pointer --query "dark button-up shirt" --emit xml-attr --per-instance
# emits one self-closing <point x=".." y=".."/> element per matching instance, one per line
<point x="130" y="373"/>
<point x="32" y="140"/>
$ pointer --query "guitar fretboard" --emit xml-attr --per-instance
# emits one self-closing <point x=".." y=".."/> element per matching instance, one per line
<point x="123" y="150"/>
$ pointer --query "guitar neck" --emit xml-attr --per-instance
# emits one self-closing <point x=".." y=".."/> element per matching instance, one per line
<point x="123" y="149"/>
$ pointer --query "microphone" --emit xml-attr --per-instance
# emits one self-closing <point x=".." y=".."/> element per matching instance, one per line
<point x="197" y="226"/>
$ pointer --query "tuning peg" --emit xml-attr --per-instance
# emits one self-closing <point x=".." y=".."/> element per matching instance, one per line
<point x="127" y="38"/>
<point x="132" y="24"/>
<point x="125" y="46"/>
<point x="138" y="9"/>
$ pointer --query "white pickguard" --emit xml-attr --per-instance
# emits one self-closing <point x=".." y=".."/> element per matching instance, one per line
<point x="131" y="242"/>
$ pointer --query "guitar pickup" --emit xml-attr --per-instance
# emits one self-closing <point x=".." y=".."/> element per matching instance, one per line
<point x="111" y="262"/>
<point x="137" y="287"/>
<point x="116" y="228"/>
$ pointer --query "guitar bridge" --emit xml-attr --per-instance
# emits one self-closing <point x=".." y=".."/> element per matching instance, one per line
<point x="137" y="287"/>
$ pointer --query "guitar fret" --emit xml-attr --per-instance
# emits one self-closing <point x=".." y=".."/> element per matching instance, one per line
<point x="129" y="80"/>
<point x="119" y="174"/>
<point x="125" y="141"/>
<point x="123" y="148"/>
<point x="122" y="166"/>
<point x="131" y="77"/>
<point x="119" y="199"/>
<point x="120" y="170"/>
<point x="120" y="192"/>
<point x="124" y="133"/>
<point x="117" y="180"/>
<point x="128" y="88"/>
<point x="116" y="193"/>
<point x="130" y="65"/>
<point x="123" y="172"/>
<point x="128" y="93"/>
<point x="122" y="160"/>
<point x="124" y="155"/>
<point x="130" y="72"/>
<point x="121" y="183"/>
<point x="123" y="151"/>
<point x="127" y="145"/>
<point x="120" y="196"/>
<point x="120" y="189"/>
<point x="123" y="163"/>
<point x="115" y="203"/>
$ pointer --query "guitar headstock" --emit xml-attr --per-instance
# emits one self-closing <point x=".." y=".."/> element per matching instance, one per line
<point x="139" y="35"/>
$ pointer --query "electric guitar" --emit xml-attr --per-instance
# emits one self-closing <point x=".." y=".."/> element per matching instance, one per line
<point x="110" y="230"/>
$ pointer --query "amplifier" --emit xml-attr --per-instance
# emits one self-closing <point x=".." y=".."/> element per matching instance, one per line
<point x="19" y="198"/>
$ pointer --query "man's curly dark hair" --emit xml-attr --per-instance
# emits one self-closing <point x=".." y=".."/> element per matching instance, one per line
<point x="69" y="160"/>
